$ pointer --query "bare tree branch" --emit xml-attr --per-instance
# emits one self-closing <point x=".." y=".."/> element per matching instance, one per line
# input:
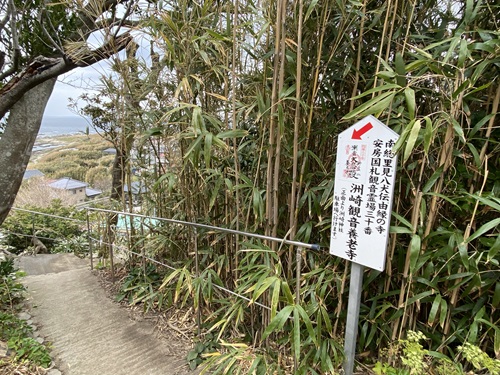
<point x="4" y="20"/>
<point x="16" y="51"/>
<point x="46" y="20"/>
<point x="43" y="68"/>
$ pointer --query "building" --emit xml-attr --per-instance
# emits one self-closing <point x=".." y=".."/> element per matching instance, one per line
<point x="30" y="173"/>
<point x="80" y="190"/>
<point x="137" y="189"/>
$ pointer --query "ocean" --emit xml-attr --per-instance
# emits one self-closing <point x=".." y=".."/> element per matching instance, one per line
<point x="53" y="126"/>
<point x="62" y="125"/>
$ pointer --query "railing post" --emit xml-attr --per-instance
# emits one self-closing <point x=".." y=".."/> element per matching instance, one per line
<point x="298" y="275"/>
<point x="32" y="228"/>
<point x="111" y="239"/>
<point x="89" y="238"/>
<point x="197" y="265"/>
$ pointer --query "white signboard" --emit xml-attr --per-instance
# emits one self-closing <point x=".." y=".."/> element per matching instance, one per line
<point x="363" y="191"/>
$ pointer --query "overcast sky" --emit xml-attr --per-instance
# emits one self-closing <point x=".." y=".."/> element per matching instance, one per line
<point x="72" y="85"/>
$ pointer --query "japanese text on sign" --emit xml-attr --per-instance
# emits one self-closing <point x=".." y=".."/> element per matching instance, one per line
<point x="364" y="183"/>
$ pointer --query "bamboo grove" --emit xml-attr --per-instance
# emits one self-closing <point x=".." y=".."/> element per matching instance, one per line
<point x="242" y="102"/>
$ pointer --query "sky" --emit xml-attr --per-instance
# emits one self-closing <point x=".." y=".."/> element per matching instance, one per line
<point x="72" y="85"/>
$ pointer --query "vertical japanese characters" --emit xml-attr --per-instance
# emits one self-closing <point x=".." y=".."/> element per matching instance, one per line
<point x="364" y="183"/>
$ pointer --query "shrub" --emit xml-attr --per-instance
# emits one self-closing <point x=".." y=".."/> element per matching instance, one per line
<point x="20" y="225"/>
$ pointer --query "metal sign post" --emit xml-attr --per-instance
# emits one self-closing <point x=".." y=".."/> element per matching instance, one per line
<point x="351" y="327"/>
<point x="362" y="203"/>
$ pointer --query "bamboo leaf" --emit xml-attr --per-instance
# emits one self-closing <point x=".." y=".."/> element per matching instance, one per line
<point x="444" y="197"/>
<point x="478" y="72"/>
<point x="289" y="297"/>
<point x="402" y="220"/>
<point x="434" y="309"/>
<point x="412" y="138"/>
<point x="194" y="149"/>
<point x="458" y="129"/>
<point x="410" y="101"/>
<point x="310" y="8"/>
<point x="451" y="50"/>
<point x="462" y="53"/>
<point x="307" y="322"/>
<point x="480" y="124"/>
<point x="462" y="249"/>
<point x="475" y="154"/>
<point x="483" y="229"/>
<point x="419" y="297"/>
<point x="216" y="141"/>
<point x="444" y="313"/>
<point x="275" y="298"/>
<point x="400" y="230"/>
<point x="384" y="87"/>
<point x="414" y="251"/>
<point x="287" y="91"/>
<point x="400" y="70"/>
<point x="281" y="118"/>
<point x="197" y="119"/>
<point x="207" y="149"/>
<point x="486" y="201"/>
<point x="492" y="253"/>
<point x="215" y="192"/>
<point x="435" y="176"/>
<point x="427" y="135"/>
<point x="296" y="334"/>
<point x="496" y="296"/>
<point x="402" y="139"/>
<point x="374" y="105"/>
<point x="234" y="133"/>
<point x="263" y="287"/>
<point x="278" y="322"/>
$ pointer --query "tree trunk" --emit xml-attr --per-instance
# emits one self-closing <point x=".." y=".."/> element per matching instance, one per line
<point x="17" y="141"/>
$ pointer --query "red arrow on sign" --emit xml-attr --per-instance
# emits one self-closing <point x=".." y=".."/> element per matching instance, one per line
<point x="356" y="134"/>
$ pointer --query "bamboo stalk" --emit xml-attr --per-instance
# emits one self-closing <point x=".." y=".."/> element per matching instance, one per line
<point x="233" y="120"/>
<point x="296" y="129"/>
<point x="358" y="58"/>
<point x="279" y="135"/>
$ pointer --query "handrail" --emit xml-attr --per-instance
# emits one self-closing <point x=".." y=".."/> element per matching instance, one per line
<point x="211" y="227"/>
<point x="49" y="215"/>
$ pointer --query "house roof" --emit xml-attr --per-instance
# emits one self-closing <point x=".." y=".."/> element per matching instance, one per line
<point x="67" y="183"/>
<point x="110" y="150"/>
<point x="137" y="188"/>
<point x="89" y="192"/>
<point x="29" y="173"/>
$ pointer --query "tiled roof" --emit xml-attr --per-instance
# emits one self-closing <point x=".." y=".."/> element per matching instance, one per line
<point x="29" y="173"/>
<point x="137" y="188"/>
<point x="92" y="192"/>
<point x="68" y="183"/>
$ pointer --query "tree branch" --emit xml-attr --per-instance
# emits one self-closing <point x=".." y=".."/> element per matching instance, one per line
<point x="16" y="51"/>
<point x="43" y="68"/>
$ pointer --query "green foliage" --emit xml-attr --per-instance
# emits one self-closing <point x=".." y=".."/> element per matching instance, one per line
<point x="240" y="162"/>
<point x="53" y="14"/>
<point x="479" y="359"/>
<point x="82" y="160"/>
<point x="141" y="286"/>
<point x="77" y="245"/>
<point x="11" y="290"/>
<point x="17" y="334"/>
<point x="201" y="350"/>
<point x="21" y="225"/>
<point x="27" y="349"/>
<point x="15" y="331"/>
<point x="413" y="353"/>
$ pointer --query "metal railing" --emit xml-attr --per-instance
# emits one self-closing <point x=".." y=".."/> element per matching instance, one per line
<point x="33" y="224"/>
<point x="300" y="246"/>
